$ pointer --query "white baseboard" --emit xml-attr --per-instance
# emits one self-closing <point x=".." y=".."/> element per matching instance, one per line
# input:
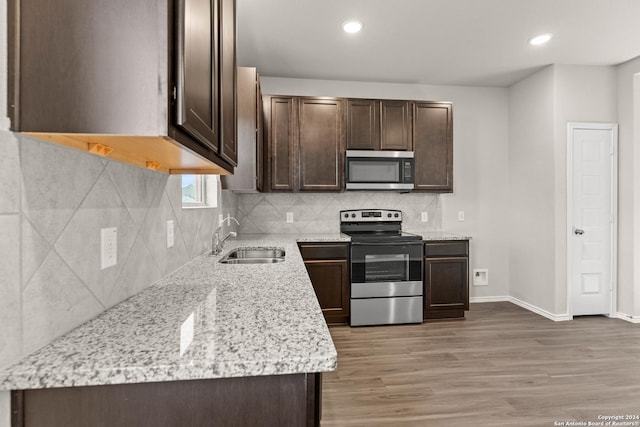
<point x="540" y="311"/>
<point x="489" y="299"/>
<point x="627" y="317"/>
<point x="527" y="306"/>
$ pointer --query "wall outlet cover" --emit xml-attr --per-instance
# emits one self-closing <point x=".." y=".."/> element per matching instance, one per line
<point x="108" y="247"/>
<point x="461" y="216"/>
<point x="289" y="217"/>
<point x="170" y="234"/>
<point x="425" y="216"/>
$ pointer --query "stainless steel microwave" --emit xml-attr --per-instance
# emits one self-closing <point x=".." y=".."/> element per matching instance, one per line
<point x="379" y="170"/>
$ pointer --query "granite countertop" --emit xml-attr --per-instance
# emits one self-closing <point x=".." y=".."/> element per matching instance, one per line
<point x="205" y="320"/>
<point x="439" y="235"/>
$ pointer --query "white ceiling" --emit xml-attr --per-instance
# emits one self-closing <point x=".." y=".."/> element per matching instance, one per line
<point x="448" y="42"/>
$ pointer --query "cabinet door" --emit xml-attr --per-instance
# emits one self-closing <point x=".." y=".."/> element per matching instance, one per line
<point x="363" y="124"/>
<point x="330" y="280"/>
<point x="228" y="82"/>
<point x="197" y="69"/>
<point x="433" y="146"/>
<point x="321" y="144"/>
<point x="395" y="131"/>
<point x="446" y="286"/>
<point x="280" y="132"/>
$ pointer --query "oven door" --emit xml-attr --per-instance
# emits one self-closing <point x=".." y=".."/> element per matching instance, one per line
<point x="387" y="268"/>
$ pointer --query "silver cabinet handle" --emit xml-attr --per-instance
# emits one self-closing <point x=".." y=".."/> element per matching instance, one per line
<point x="578" y="232"/>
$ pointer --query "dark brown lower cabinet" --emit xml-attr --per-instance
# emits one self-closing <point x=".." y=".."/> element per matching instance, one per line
<point x="277" y="400"/>
<point x="328" y="268"/>
<point x="446" y="279"/>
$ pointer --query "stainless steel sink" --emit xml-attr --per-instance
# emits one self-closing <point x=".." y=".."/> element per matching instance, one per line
<point x="253" y="256"/>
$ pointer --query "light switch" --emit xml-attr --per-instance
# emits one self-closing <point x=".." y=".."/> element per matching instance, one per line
<point x="289" y="216"/>
<point x="461" y="216"/>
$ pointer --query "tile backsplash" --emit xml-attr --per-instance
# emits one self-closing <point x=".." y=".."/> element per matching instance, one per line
<point x="320" y="212"/>
<point x="53" y="203"/>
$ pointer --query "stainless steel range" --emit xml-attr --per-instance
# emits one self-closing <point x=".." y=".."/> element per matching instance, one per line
<point x="386" y="268"/>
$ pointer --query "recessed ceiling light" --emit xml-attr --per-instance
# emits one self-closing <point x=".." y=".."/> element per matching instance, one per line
<point x="541" y="39"/>
<point x="352" y="26"/>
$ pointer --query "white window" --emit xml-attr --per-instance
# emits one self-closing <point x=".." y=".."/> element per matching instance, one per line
<point x="200" y="191"/>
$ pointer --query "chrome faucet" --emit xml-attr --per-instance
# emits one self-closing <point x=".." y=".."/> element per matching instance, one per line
<point x="216" y="243"/>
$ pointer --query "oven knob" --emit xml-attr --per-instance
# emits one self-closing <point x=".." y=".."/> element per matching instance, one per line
<point x="346" y="215"/>
<point x="388" y="215"/>
<point x="396" y="215"/>
<point x="353" y="215"/>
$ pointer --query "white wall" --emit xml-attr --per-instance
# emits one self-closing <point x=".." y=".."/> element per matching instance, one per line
<point x="540" y="107"/>
<point x="531" y="175"/>
<point x="628" y="187"/>
<point x="480" y="160"/>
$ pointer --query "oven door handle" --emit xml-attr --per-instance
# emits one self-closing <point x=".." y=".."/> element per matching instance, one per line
<point x="419" y="242"/>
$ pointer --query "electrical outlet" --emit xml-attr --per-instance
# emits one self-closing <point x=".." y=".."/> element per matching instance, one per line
<point x="461" y="216"/>
<point x="108" y="247"/>
<point x="220" y="219"/>
<point x="289" y="216"/>
<point x="170" y="234"/>
<point x="425" y="216"/>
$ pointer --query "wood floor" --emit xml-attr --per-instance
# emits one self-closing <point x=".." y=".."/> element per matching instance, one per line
<point x="502" y="366"/>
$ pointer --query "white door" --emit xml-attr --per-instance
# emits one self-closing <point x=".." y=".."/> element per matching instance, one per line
<point x="591" y="219"/>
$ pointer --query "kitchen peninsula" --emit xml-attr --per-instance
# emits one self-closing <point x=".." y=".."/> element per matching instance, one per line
<point x="207" y="344"/>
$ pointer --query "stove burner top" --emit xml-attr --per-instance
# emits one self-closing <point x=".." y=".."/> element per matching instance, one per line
<point x="375" y="226"/>
<point x="382" y="237"/>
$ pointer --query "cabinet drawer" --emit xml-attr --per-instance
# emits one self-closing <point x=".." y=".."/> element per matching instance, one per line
<point x="446" y="248"/>
<point x="324" y="250"/>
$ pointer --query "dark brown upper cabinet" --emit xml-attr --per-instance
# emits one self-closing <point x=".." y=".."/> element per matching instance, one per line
<point x="280" y="128"/>
<point x="321" y="144"/>
<point x="395" y="125"/>
<point x="363" y="124"/>
<point x="433" y="146"/>
<point x="228" y="82"/>
<point x="304" y="139"/>
<point x="379" y="125"/>
<point x="197" y="94"/>
<point x="149" y="83"/>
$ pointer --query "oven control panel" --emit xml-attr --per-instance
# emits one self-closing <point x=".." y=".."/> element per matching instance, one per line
<point x="370" y="215"/>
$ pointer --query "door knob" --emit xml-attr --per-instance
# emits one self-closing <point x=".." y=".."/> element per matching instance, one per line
<point x="578" y="232"/>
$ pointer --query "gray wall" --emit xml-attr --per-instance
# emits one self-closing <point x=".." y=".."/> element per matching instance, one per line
<point x="531" y="176"/>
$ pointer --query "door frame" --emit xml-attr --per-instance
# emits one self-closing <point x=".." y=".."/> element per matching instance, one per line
<point x="571" y="127"/>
